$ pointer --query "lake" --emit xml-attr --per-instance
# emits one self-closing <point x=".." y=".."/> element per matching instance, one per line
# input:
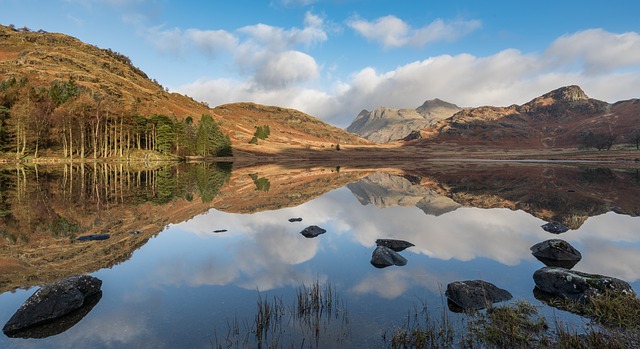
<point x="196" y="248"/>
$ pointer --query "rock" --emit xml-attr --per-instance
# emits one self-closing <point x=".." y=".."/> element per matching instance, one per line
<point x="60" y="324"/>
<point x="312" y="231"/>
<point x="475" y="294"/>
<point x="555" y="227"/>
<point x="93" y="237"/>
<point x="396" y="245"/>
<point x="220" y="231"/>
<point x="53" y="301"/>
<point x="575" y="285"/>
<point x="556" y="253"/>
<point x="383" y="257"/>
<point x="295" y="219"/>
<point x="135" y="232"/>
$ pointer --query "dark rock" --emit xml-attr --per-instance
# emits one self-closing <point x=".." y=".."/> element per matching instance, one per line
<point x="135" y="232"/>
<point x="312" y="231"/>
<point x="53" y="301"/>
<point x="575" y="285"/>
<point x="555" y="227"/>
<point x="220" y="231"/>
<point x="556" y="253"/>
<point x="383" y="257"/>
<point x="295" y="219"/>
<point x="93" y="237"/>
<point x="60" y="324"/>
<point x="475" y="294"/>
<point x="396" y="245"/>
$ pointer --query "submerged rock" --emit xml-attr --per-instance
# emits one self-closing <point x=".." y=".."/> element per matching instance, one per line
<point x="220" y="231"/>
<point x="383" y="257"/>
<point x="295" y="219"/>
<point x="93" y="237"/>
<point x="575" y="285"/>
<point x="556" y="253"/>
<point x="555" y="227"/>
<point x="312" y="231"/>
<point x="475" y="294"/>
<point x="396" y="245"/>
<point x="53" y="301"/>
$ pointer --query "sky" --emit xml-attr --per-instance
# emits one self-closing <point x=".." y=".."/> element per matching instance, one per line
<point x="333" y="58"/>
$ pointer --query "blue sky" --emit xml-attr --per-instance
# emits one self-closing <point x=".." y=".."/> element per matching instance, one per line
<point x="333" y="58"/>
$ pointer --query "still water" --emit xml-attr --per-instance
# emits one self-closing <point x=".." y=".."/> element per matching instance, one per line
<point x="180" y="284"/>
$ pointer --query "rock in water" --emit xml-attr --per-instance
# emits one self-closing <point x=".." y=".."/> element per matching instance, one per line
<point x="297" y="219"/>
<point x="555" y="227"/>
<point x="312" y="231"/>
<point x="575" y="285"/>
<point x="383" y="257"/>
<point x="93" y="237"/>
<point x="475" y="294"/>
<point x="396" y="245"/>
<point x="52" y="301"/>
<point x="556" y="253"/>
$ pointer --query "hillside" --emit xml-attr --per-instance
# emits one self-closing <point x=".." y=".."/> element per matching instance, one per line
<point x="388" y="124"/>
<point x="99" y="96"/>
<point x="565" y="117"/>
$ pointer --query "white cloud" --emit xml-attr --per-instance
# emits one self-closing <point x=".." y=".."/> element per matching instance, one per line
<point x="504" y="78"/>
<point x="392" y="31"/>
<point x="596" y="50"/>
<point x="283" y="69"/>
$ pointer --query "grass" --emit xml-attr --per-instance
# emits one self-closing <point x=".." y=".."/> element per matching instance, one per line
<point x="317" y="319"/>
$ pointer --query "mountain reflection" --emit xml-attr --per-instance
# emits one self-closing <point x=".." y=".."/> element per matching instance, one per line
<point x="450" y="212"/>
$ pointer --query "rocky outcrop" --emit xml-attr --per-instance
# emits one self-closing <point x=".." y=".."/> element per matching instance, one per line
<point x="475" y="294"/>
<point x="577" y="286"/>
<point x="556" y="253"/>
<point x="53" y="301"/>
<point x="312" y="231"/>
<point x="389" y="124"/>
<point x="383" y="257"/>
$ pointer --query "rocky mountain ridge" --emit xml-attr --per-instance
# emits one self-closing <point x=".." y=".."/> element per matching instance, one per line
<point x="385" y="124"/>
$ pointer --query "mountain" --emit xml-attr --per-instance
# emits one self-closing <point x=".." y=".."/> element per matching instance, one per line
<point x="565" y="117"/>
<point x="97" y="93"/>
<point x="387" y="124"/>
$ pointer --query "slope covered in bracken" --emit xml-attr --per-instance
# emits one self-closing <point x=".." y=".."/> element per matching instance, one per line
<point x="561" y="118"/>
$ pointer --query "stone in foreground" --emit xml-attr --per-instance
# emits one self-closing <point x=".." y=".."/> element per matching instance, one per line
<point x="53" y="301"/>
<point x="312" y="231"/>
<point x="556" y="253"/>
<point x="383" y="257"/>
<point x="475" y="294"/>
<point x="295" y="219"/>
<point x="396" y="245"/>
<point x="555" y="227"/>
<point x="575" y="285"/>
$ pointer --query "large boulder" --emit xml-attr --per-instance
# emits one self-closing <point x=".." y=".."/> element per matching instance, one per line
<point x="556" y="253"/>
<point x="396" y="245"/>
<point x="312" y="231"/>
<point x="383" y="257"/>
<point x="555" y="227"/>
<point x="475" y="294"/>
<point x="577" y="286"/>
<point x="53" y="301"/>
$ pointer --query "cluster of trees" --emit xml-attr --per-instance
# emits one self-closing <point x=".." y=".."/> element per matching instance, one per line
<point x="262" y="132"/>
<point x="76" y="123"/>
<point x="597" y="140"/>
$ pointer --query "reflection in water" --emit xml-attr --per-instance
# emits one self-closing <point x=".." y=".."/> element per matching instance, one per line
<point x="176" y="281"/>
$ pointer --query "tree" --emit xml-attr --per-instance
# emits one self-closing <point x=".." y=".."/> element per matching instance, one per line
<point x="210" y="141"/>
<point x="635" y="137"/>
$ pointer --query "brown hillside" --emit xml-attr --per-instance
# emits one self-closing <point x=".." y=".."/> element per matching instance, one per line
<point x="45" y="58"/>
<point x="559" y="118"/>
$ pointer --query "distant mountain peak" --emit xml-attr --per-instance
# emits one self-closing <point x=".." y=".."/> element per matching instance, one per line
<point x="567" y="93"/>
